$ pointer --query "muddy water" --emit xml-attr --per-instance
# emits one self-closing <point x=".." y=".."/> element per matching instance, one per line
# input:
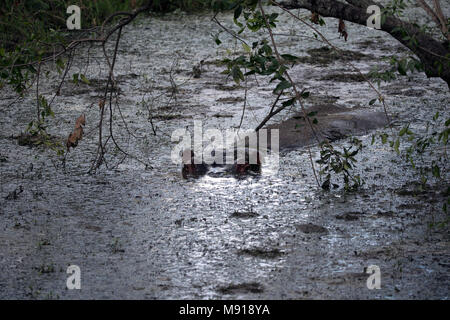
<point x="139" y="232"/>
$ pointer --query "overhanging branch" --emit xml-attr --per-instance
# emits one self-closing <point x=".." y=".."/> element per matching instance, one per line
<point x="434" y="55"/>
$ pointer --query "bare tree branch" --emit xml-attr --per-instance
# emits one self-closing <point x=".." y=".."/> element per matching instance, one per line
<point x="442" y="19"/>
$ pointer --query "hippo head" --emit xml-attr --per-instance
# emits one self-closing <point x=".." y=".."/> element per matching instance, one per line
<point x="247" y="165"/>
<point x="190" y="169"/>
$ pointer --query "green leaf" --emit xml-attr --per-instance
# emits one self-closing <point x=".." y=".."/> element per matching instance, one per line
<point x="326" y="183"/>
<point x="289" y="57"/>
<point x="75" y="78"/>
<point x="401" y="69"/>
<point x="436" y="116"/>
<point x="237" y="12"/>
<point x="372" y="101"/>
<point x="403" y="131"/>
<point x="246" y="47"/>
<point x="444" y="136"/>
<point x="282" y="86"/>
<point x="305" y="94"/>
<point x="354" y="153"/>
<point x="288" y="102"/>
<point x="59" y="65"/>
<point x="436" y="171"/>
<point x="237" y="74"/>
<point x="396" y="146"/>
<point x="282" y="69"/>
<point x="267" y="50"/>
<point x="84" y="79"/>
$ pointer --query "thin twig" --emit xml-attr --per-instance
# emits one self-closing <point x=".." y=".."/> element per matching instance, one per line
<point x="297" y="94"/>
<point x="38" y="102"/>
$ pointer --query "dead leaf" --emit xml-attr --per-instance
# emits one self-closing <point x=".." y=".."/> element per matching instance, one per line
<point x="101" y="104"/>
<point x="81" y="121"/>
<point x="315" y="18"/>
<point x="77" y="134"/>
<point x="342" y="29"/>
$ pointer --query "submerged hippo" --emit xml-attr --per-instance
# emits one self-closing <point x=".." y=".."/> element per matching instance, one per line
<point x="330" y="122"/>
<point x="239" y="167"/>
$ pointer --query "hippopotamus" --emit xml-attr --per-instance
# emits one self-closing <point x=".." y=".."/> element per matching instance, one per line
<point x="239" y="167"/>
<point x="331" y="123"/>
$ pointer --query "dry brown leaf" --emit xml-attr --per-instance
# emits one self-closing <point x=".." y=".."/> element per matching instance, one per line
<point x="342" y="29"/>
<point x="81" y="121"/>
<point x="77" y="134"/>
<point x="101" y="104"/>
<point x="315" y="18"/>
